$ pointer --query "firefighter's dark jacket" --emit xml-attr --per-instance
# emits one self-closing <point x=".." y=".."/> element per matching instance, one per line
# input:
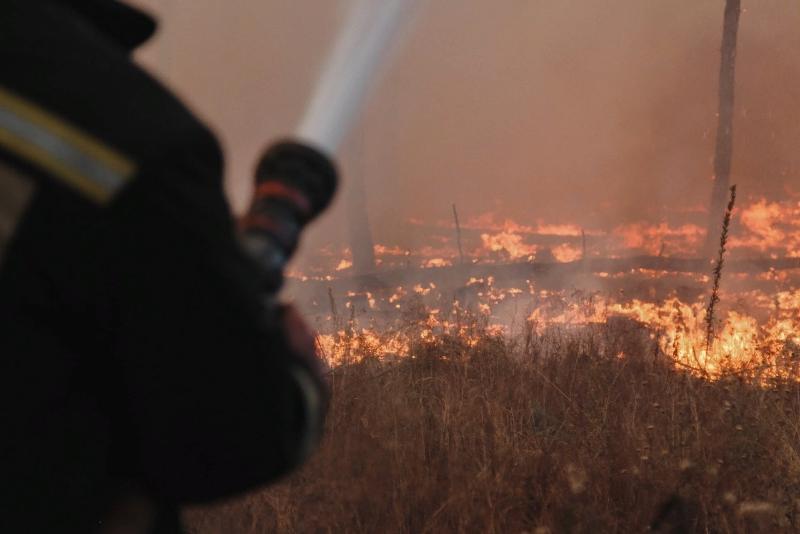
<point x="133" y="344"/>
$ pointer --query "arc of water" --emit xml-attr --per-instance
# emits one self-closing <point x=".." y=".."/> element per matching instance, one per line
<point x="357" y="55"/>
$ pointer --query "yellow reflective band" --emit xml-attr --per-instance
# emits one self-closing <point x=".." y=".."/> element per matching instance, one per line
<point x="67" y="153"/>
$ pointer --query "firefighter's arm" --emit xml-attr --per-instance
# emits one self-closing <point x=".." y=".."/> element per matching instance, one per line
<point x="221" y="389"/>
<point x="215" y="393"/>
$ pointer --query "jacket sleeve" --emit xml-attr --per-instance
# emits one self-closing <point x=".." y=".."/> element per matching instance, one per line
<point x="215" y="403"/>
<point x="219" y="403"/>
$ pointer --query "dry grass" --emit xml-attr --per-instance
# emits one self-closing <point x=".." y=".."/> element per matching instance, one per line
<point x="579" y="430"/>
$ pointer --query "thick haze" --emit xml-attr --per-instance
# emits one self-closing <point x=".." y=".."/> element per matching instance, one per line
<point x="580" y="111"/>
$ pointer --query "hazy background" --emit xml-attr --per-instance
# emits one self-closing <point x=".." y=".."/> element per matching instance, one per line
<point x="594" y="112"/>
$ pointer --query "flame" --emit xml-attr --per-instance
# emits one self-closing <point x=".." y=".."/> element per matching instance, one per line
<point x="742" y="344"/>
<point x="566" y="253"/>
<point x="509" y="243"/>
<point x="558" y="229"/>
<point x="420" y="290"/>
<point x="770" y="226"/>
<point x="653" y="239"/>
<point x="491" y="222"/>
<point x="436" y="262"/>
<point x="385" y="250"/>
<point x="755" y="329"/>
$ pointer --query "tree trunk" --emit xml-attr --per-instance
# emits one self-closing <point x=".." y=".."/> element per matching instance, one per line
<point x="458" y="236"/>
<point x="361" y="243"/>
<point x="723" y="154"/>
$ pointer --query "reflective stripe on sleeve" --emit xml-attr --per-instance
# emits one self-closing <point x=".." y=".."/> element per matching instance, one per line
<point x="62" y="150"/>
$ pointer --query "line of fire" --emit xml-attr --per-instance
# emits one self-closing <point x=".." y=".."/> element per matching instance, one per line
<point x="516" y="274"/>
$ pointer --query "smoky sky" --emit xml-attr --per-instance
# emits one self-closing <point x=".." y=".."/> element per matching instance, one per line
<point x="593" y="112"/>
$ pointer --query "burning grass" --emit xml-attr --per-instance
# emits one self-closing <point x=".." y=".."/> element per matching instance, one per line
<point x="754" y="333"/>
<point x="761" y="228"/>
<point x="566" y="428"/>
<point x="474" y="405"/>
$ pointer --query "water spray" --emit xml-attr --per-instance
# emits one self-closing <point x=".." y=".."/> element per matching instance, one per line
<point x="355" y="59"/>
<point x="296" y="179"/>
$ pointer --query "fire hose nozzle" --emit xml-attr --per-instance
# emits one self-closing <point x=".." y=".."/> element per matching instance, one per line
<point x="294" y="183"/>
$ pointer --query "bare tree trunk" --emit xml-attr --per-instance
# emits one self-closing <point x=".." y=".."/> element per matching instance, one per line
<point x="360" y="234"/>
<point x="583" y="244"/>
<point x="723" y="154"/>
<point x="458" y="235"/>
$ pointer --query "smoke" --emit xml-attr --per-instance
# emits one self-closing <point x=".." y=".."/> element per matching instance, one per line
<point x="593" y="113"/>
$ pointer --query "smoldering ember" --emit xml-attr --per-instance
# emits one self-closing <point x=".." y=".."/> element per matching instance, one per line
<point x="558" y="290"/>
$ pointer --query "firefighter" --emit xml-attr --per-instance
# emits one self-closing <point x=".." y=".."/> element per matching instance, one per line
<point x="139" y="366"/>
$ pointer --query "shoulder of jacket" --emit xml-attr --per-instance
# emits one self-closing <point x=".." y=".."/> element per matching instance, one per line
<point x="76" y="106"/>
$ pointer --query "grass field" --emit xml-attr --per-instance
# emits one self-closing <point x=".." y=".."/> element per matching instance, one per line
<point x="573" y="430"/>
